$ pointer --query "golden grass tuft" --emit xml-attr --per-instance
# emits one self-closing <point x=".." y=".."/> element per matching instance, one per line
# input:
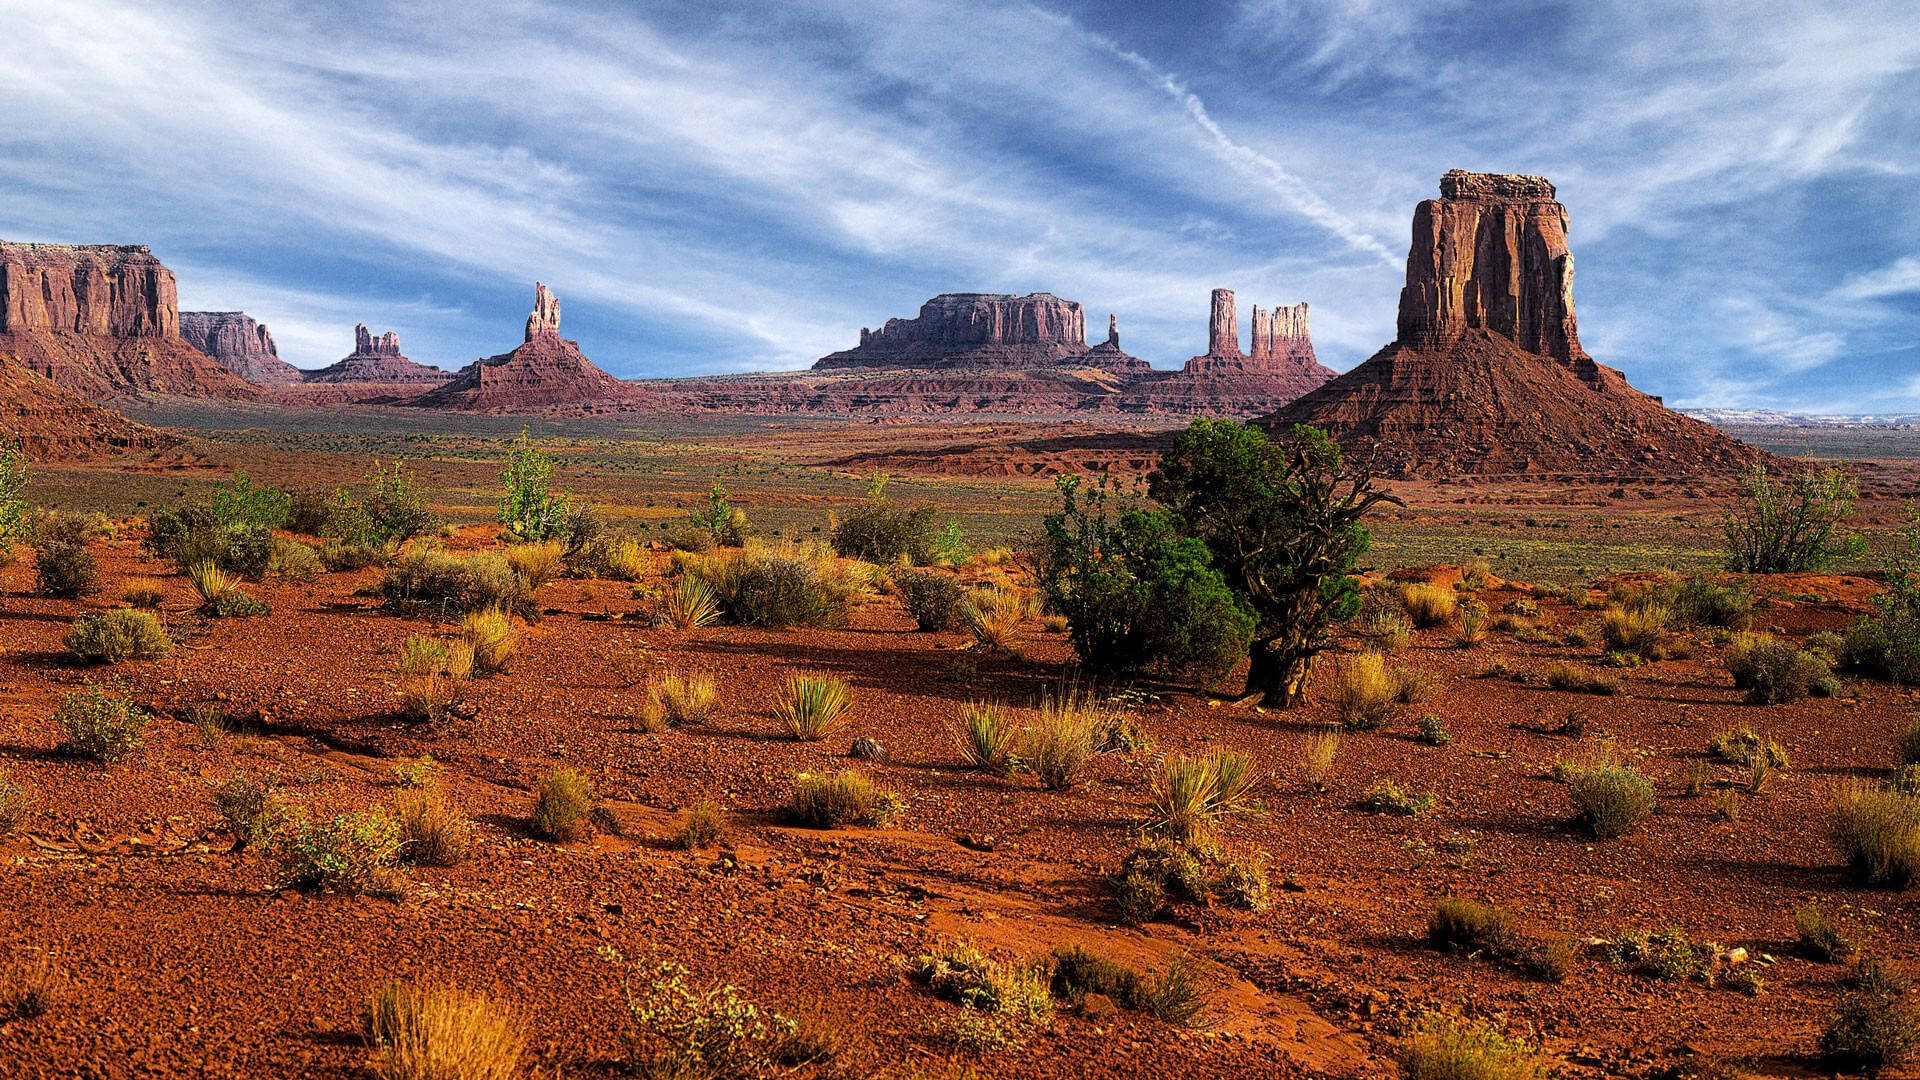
<point x="1060" y="742"/>
<point x="678" y="700"/>
<point x="536" y="564"/>
<point x="563" y="806"/>
<point x="843" y="798"/>
<point x="1366" y="691"/>
<point x="1450" y="1048"/>
<point x="815" y="706"/>
<point x="705" y="826"/>
<point x="433" y="831"/>
<point x="438" y="1033"/>
<point x="1429" y="605"/>
<point x="491" y="636"/>
<point x="1877" y="832"/>
<point x="209" y="581"/>
<point x="1317" y="756"/>
<point x="1641" y="631"/>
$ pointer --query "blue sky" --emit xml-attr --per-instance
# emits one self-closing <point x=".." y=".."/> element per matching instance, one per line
<point x="716" y="187"/>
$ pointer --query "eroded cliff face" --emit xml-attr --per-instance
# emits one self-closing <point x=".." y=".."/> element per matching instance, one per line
<point x="1488" y="378"/>
<point x="547" y="372"/>
<point x="52" y="423"/>
<point x="376" y="360"/>
<point x="236" y="342"/>
<point x="1491" y="254"/>
<point x="973" y="330"/>
<point x="102" y="320"/>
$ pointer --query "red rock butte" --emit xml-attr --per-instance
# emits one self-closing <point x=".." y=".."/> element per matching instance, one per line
<point x="102" y="320"/>
<point x="241" y="345"/>
<point x="376" y="360"/>
<point x="981" y="331"/>
<point x="546" y="372"/>
<point x="1487" y="377"/>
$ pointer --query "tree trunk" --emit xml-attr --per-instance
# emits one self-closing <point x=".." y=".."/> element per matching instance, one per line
<point x="1279" y="676"/>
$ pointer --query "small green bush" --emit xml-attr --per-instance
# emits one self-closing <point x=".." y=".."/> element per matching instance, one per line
<point x="880" y="531"/>
<point x="1665" y="954"/>
<point x="101" y="725"/>
<point x="247" y="805"/>
<point x="1775" y="672"/>
<point x="1612" y="799"/>
<point x="1871" y="1028"/>
<point x="108" y="637"/>
<point x="448" y="587"/>
<point x="937" y="601"/>
<point x="1819" y="936"/>
<point x="63" y="566"/>
<point x="778" y="591"/>
<point x="347" y="853"/>
<point x="1387" y="797"/>
<point x="1573" y="679"/>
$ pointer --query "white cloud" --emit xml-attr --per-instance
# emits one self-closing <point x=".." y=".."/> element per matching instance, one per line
<point x="1900" y="277"/>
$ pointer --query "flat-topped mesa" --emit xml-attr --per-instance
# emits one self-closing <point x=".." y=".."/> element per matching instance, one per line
<point x="236" y="342"/>
<point x="977" y="330"/>
<point x="102" y="320"/>
<point x="545" y="319"/>
<point x="1491" y="254"/>
<point x="376" y="359"/>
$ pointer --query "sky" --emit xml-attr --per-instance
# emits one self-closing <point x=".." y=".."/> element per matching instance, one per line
<point x="726" y="186"/>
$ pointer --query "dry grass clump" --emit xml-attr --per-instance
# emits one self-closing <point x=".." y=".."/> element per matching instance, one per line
<point x="1060" y="742"/>
<point x="1366" y="692"/>
<point x="429" y="675"/>
<point x="1906" y="745"/>
<point x="1411" y="686"/>
<point x="690" y="603"/>
<point x="993" y="614"/>
<point x="1429" y="605"/>
<point x="1819" y="936"/>
<point x="437" y="1033"/>
<point x="848" y="797"/>
<point x="1878" y="833"/>
<point x="676" y="1031"/>
<point x="1467" y="926"/>
<point x="109" y="637"/>
<point x="433" y="831"/>
<point x="987" y="737"/>
<point x="31" y="992"/>
<point x="1451" y="1048"/>
<point x="492" y="637"/>
<point x="1612" y="800"/>
<point x="563" y="806"/>
<point x="705" y="826"/>
<point x="536" y="564"/>
<point x="815" y="706"/>
<point x="1872" y="1028"/>
<point x="15" y="804"/>
<point x="1317" y="756"/>
<point x="679" y="700"/>
<point x="100" y="725"/>
<point x="962" y="973"/>
<point x="221" y="596"/>
<point x="1742" y="745"/>
<point x="1578" y="680"/>
<point x="1640" y="631"/>
<point x="144" y="593"/>
<point x="1192" y="796"/>
<point x="248" y="806"/>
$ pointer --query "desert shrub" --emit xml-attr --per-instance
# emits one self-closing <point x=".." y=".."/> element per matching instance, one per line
<point x="1384" y="624"/>
<point x="491" y="637"/>
<point x="1665" y="954"/>
<point x="1388" y="797"/>
<point x="987" y="737"/>
<point x="1429" y="605"/>
<point x="814" y="706"/>
<point x="309" y="510"/>
<point x="31" y="992"/>
<point x="961" y="973"/>
<point x="1612" y="800"/>
<point x="242" y="503"/>
<point x="1906" y="744"/>
<point x="1432" y="731"/>
<point x="847" y="797"/>
<point x="1178" y="996"/>
<point x="675" y="1031"/>
<point x="1473" y="623"/>
<point x="63" y="565"/>
<point x="248" y="806"/>
<point x="291" y="560"/>
<point x="1191" y="796"/>
<point x="1450" y="1048"/>
<point x="611" y="558"/>
<point x="429" y="675"/>
<point x="389" y="510"/>
<point x="1467" y="926"/>
<point x="1575" y="679"/>
<point x="1878" y="834"/>
<point x="1139" y="894"/>
<point x="447" y="586"/>
<point x="1740" y="746"/>
<point x="1639" y="631"/>
<point x="1774" y="672"/>
<point x="683" y="699"/>
<point x="529" y="509"/>
<point x="1317" y="756"/>
<point x="1701" y="602"/>
<point x="992" y="614"/>
<point x="1792" y="524"/>
<point x="719" y="523"/>
<point x="1475" y="575"/>
<point x="691" y="602"/>
<point x="1411" y="686"/>
<point x="348" y="853"/>
<point x="704" y="827"/>
<point x="1886" y="644"/>
<point x="1079" y="971"/>
<point x="108" y="637"/>
<point x="1819" y="936"/>
<point x="1551" y="960"/>
<point x="779" y="591"/>
<point x="220" y="595"/>
<point x="100" y="724"/>
<point x="1060" y="742"/>
<point x="433" y="831"/>
<point x="1871" y="1028"/>
<point x="536" y="563"/>
<point x="437" y="1033"/>
<point x="15" y="804"/>
<point x="14" y="506"/>
<point x="1137" y="595"/>
<point x="880" y="531"/>
<point x="1244" y="881"/>
<point x="564" y="804"/>
<point x="1366" y="692"/>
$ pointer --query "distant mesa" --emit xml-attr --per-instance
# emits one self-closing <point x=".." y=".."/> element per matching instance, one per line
<point x="377" y="361"/>
<point x="102" y="320"/>
<point x="546" y="372"/>
<point x="1487" y="376"/>
<point x="983" y="331"/>
<point x="236" y="342"/>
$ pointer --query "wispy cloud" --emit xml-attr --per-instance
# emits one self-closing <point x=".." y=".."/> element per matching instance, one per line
<point x="1898" y="278"/>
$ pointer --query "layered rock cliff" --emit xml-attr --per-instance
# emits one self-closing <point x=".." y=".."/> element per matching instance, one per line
<point x="102" y="320"/>
<point x="376" y="360"/>
<point x="547" y="372"/>
<point x="1487" y="377"/>
<point x="236" y="342"/>
<point x="978" y="331"/>
<point x="52" y="423"/>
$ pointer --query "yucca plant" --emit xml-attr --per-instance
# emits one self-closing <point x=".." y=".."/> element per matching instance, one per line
<point x="1193" y="795"/>
<point x="690" y="603"/>
<point x="993" y="614"/>
<point x="815" y="706"/>
<point x="491" y="635"/>
<point x="986" y="737"/>
<point x="209" y="581"/>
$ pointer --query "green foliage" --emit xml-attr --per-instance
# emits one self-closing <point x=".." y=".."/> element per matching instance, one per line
<point x="563" y="806"/>
<point x="950" y="545"/>
<point x="1665" y="954"/>
<point x="1887" y="643"/>
<point x="1282" y="520"/>
<point x="720" y="522"/>
<point x="14" y="506"/>
<point x="108" y="637"/>
<point x="247" y="805"/>
<point x="529" y="508"/>
<point x="1792" y="524"/>
<point x="240" y="503"/>
<point x="63" y="565"/>
<point x="1450" y="1048"/>
<point x="881" y="531"/>
<point x="1467" y="926"/>
<point x="348" y="853"/>
<point x="449" y="586"/>
<point x="780" y="591"/>
<point x="101" y="724"/>
<point x="1388" y="797"/>
<point x="1872" y="1028"/>
<point x="1137" y="595"/>
<point x="936" y="600"/>
<point x="677" y="1032"/>
<point x="1612" y="799"/>
<point x="390" y="510"/>
<point x="961" y="973"/>
<point x="1775" y="672"/>
<point x="1820" y="937"/>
